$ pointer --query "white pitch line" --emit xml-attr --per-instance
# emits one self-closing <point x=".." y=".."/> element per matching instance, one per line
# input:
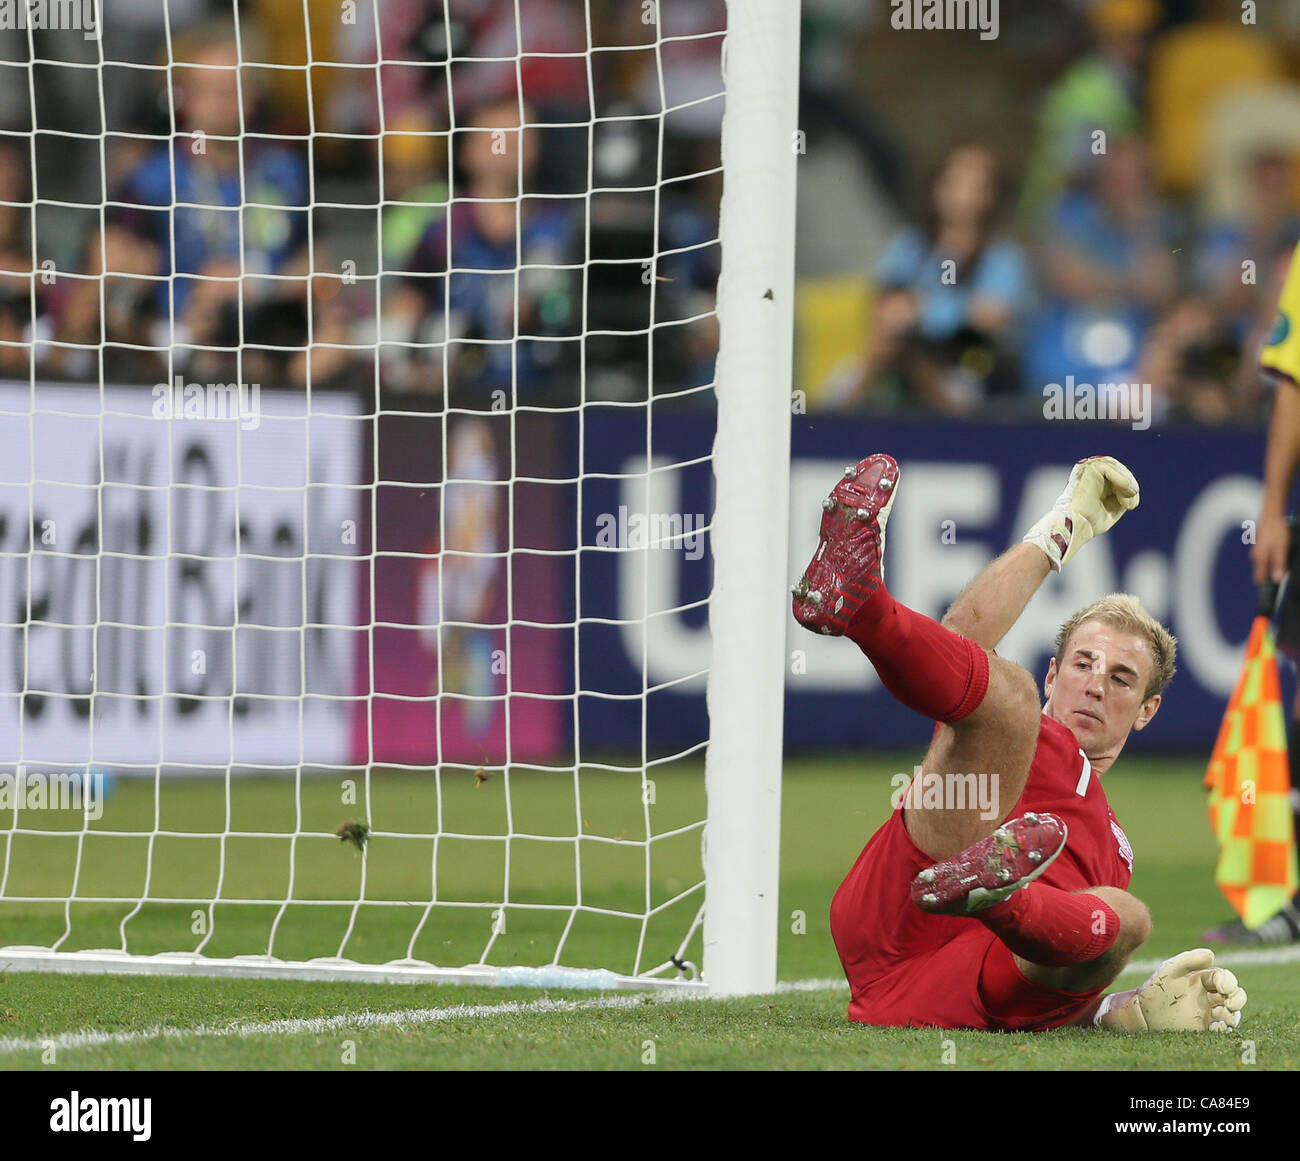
<point x="827" y="985"/>
<point x="1247" y="957"/>
<point x="320" y="1025"/>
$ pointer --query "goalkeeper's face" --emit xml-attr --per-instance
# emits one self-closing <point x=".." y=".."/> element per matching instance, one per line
<point x="1099" y="689"/>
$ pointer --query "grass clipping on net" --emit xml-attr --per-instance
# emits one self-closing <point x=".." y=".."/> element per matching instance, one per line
<point x="355" y="832"/>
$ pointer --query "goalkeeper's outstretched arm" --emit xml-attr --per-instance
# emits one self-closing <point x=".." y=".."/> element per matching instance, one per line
<point x="994" y="600"/>
<point x="1100" y="490"/>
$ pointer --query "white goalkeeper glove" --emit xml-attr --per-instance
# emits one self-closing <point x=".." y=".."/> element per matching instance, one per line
<point x="1099" y="492"/>
<point x="1184" y="994"/>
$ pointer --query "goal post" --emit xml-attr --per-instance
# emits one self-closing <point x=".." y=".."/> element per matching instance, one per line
<point x="388" y="654"/>
<point x="747" y="609"/>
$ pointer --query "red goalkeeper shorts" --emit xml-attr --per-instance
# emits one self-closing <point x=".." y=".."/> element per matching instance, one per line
<point x="907" y="968"/>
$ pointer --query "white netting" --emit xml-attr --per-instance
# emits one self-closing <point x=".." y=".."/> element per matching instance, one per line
<point x="356" y="417"/>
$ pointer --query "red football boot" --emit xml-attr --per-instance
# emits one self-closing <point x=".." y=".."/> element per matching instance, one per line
<point x="848" y="565"/>
<point x="983" y="875"/>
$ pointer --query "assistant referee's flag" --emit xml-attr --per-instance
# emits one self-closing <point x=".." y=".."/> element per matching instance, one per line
<point x="1249" y="783"/>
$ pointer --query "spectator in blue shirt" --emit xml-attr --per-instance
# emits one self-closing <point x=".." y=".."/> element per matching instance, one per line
<point x="493" y="293"/>
<point x="1262" y="233"/>
<point x="1110" y="268"/>
<point x="950" y="296"/>
<point x="214" y="202"/>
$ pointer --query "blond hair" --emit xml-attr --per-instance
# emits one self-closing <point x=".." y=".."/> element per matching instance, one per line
<point x="1123" y="611"/>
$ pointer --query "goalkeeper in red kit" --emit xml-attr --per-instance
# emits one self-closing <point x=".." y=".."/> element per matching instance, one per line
<point x="1016" y="917"/>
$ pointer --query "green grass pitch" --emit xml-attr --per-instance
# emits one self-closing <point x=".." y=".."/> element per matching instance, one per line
<point x="831" y="807"/>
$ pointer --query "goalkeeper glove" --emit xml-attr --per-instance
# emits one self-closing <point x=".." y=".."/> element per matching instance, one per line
<point x="1099" y="492"/>
<point x="1184" y="994"/>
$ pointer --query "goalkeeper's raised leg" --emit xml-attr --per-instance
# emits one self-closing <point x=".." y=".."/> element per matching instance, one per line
<point x="1015" y="916"/>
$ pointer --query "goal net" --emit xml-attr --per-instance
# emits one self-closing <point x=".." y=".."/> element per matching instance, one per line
<point x="394" y="419"/>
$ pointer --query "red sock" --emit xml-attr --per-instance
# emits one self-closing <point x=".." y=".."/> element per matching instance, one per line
<point x="930" y="669"/>
<point x="1048" y="926"/>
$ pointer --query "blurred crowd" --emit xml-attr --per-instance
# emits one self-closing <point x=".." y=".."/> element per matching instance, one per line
<point x="1142" y="242"/>
<point x="456" y="198"/>
<point x="461" y="201"/>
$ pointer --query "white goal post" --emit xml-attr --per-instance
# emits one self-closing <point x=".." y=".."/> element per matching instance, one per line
<point x="748" y="612"/>
<point x="352" y="682"/>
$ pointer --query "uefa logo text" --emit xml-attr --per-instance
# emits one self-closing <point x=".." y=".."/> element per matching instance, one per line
<point x="181" y="400"/>
<point x="51" y="16"/>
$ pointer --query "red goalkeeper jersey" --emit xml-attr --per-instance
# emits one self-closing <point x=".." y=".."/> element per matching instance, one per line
<point x="906" y="966"/>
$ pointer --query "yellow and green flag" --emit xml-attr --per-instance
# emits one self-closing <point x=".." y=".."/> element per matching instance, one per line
<point x="1249" y="783"/>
